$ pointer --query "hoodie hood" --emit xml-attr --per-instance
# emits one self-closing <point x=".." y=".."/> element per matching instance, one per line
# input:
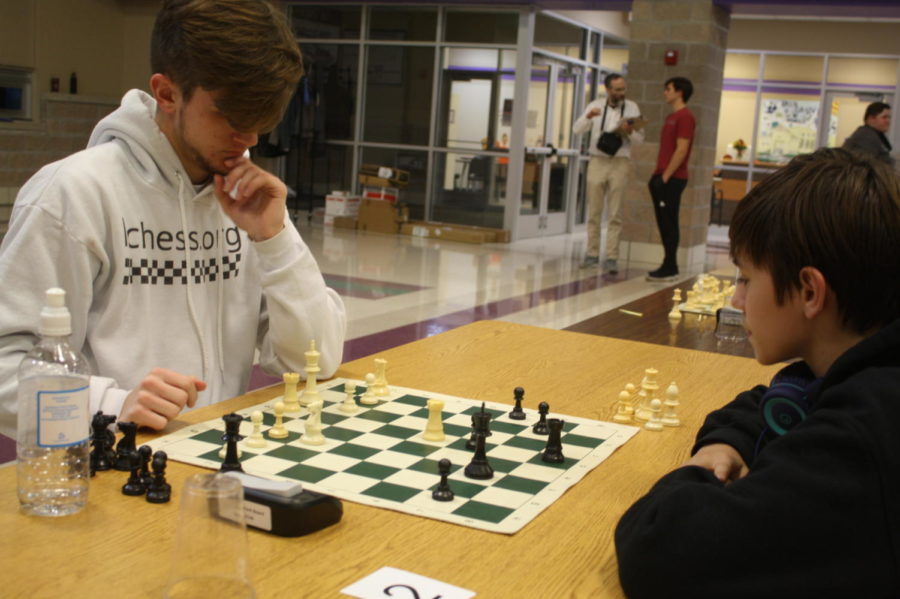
<point x="134" y="125"/>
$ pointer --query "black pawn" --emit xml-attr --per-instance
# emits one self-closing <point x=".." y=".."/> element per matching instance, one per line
<point x="126" y="445"/>
<point x="479" y="468"/>
<point x="540" y="427"/>
<point x="517" y="412"/>
<point x="135" y="485"/>
<point x="145" y="451"/>
<point x="102" y="455"/>
<point x="553" y="452"/>
<point x="231" y="438"/>
<point x="443" y="492"/>
<point x="159" y="491"/>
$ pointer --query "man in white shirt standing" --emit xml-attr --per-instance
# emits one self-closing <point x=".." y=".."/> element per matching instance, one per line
<point x="610" y="166"/>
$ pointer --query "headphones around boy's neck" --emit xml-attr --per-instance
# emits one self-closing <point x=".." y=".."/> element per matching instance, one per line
<point x="789" y="398"/>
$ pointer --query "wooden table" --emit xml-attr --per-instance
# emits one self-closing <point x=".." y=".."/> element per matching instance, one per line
<point x="692" y="331"/>
<point x="121" y="546"/>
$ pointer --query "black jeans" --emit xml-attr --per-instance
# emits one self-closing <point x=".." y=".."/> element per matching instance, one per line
<point x="666" y="202"/>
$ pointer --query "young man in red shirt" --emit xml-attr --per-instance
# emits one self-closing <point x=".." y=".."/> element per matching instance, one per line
<point x="670" y="177"/>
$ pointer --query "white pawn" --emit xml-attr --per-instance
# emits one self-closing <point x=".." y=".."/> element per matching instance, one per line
<point x="654" y="424"/>
<point x="278" y="431"/>
<point x="670" y="416"/>
<point x="434" y="430"/>
<point x="622" y="406"/>
<point x="256" y="438"/>
<point x="291" y="401"/>
<point x="675" y="313"/>
<point x="368" y="397"/>
<point x="631" y="389"/>
<point x="312" y="433"/>
<point x="349" y="404"/>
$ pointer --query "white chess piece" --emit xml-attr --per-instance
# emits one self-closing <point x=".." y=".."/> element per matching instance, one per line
<point x="278" y="431"/>
<point x="434" y="430"/>
<point x="291" y="401"/>
<point x="654" y="424"/>
<point x="671" y="403"/>
<point x="349" y="406"/>
<point x="622" y="405"/>
<point x="369" y="398"/>
<point x="675" y="313"/>
<point x="631" y="389"/>
<point x="256" y="438"/>
<point x="311" y="392"/>
<point x="312" y="433"/>
<point x="381" y="385"/>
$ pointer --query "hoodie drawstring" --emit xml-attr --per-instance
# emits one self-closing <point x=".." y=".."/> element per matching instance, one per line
<point x="190" y="268"/>
<point x="221" y="301"/>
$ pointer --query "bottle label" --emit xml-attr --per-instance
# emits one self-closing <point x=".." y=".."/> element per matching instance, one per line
<point x="62" y="417"/>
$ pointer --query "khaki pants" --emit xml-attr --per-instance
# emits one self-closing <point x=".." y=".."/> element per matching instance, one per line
<point x="606" y="176"/>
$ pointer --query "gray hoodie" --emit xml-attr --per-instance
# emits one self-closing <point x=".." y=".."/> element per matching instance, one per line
<point x="156" y="275"/>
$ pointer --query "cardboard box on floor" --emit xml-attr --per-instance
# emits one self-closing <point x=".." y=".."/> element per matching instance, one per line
<point x="383" y="176"/>
<point x="344" y="222"/>
<point x="463" y="233"/>
<point x="380" y="216"/>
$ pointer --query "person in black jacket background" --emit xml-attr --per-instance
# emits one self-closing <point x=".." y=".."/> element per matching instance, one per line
<point x="793" y="489"/>
<point x="871" y="138"/>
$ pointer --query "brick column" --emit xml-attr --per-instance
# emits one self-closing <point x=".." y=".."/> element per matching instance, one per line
<point x="698" y="31"/>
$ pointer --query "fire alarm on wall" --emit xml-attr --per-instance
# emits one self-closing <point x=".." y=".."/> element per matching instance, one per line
<point x="671" y="57"/>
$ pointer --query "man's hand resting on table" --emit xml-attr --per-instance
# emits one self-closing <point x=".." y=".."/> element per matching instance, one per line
<point x="160" y="397"/>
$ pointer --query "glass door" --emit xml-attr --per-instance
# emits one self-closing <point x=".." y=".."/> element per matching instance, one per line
<point x="550" y="171"/>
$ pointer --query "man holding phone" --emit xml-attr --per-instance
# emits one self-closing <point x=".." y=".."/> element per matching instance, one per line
<point x="613" y="124"/>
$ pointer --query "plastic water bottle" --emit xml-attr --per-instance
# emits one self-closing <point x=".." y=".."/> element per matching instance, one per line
<point x="52" y="450"/>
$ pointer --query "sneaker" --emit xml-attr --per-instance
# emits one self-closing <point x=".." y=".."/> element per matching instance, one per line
<point x="611" y="266"/>
<point x="662" y="275"/>
<point x="590" y="261"/>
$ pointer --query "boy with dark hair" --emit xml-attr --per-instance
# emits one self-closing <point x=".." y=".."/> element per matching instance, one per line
<point x="793" y="490"/>
<point x="871" y="138"/>
<point x="175" y="249"/>
<point x="671" y="174"/>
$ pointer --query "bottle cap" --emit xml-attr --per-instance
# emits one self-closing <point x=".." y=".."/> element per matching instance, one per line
<point x="55" y="318"/>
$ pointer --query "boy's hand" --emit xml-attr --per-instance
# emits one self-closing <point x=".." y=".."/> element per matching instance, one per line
<point x="160" y="397"/>
<point x="722" y="460"/>
<point x="259" y="198"/>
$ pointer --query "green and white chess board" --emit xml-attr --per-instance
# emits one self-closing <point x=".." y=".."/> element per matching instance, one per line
<point x="377" y="456"/>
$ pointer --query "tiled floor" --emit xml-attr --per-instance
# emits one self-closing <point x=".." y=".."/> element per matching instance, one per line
<point x="399" y="288"/>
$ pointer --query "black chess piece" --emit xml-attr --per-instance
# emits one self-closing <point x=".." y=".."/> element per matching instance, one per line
<point x="481" y="423"/>
<point x="159" y="491"/>
<point x="553" y="452"/>
<point x="145" y="451"/>
<point x="231" y="437"/>
<point x="479" y="468"/>
<point x="517" y="412"/>
<point x="540" y="427"/>
<point x="102" y="439"/>
<point x="135" y="485"/>
<point x="125" y="446"/>
<point x="443" y="492"/>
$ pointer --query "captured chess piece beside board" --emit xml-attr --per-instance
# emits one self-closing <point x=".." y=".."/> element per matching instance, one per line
<point x="476" y="463"/>
<point x="124" y="456"/>
<point x="706" y="296"/>
<point x="645" y="406"/>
